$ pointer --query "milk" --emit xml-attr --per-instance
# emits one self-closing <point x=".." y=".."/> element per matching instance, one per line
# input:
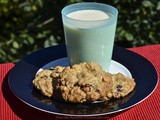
<point x="89" y="36"/>
<point x="88" y="15"/>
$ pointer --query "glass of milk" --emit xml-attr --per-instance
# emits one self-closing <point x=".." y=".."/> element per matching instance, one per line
<point x="89" y="30"/>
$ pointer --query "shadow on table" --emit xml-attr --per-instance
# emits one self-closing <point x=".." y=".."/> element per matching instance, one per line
<point x="26" y="112"/>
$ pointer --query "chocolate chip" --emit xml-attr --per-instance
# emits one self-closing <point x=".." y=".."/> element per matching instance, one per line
<point x="119" y="88"/>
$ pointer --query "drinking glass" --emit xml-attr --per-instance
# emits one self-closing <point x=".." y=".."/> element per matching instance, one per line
<point x="89" y="30"/>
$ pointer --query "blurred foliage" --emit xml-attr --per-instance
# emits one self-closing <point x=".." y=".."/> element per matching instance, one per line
<point x="29" y="25"/>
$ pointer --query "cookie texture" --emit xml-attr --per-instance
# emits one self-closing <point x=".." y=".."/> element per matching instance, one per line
<point x="122" y="85"/>
<point x="45" y="80"/>
<point x="84" y="82"/>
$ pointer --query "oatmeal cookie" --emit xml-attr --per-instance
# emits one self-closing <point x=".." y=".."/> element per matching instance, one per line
<point x="46" y="79"/>
<point x="43" y="82"/>
<point x="84" y="82"/>
<point x="122" y="85"/>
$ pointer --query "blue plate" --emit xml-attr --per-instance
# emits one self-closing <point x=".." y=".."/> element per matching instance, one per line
<point x="21" y="76"/>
